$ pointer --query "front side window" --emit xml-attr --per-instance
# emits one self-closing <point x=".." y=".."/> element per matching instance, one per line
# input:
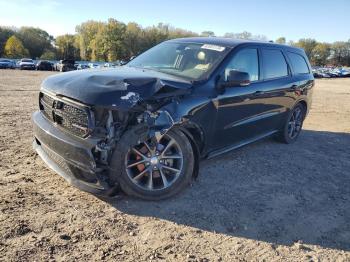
<point x="189" y="60"/>
<point x="245" y="60"/>
<point x="298" y="63"/>
<point x="274" y="64"/>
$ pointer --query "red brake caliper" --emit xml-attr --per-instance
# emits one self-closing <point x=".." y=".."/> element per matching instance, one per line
<point x="144" y="151"/>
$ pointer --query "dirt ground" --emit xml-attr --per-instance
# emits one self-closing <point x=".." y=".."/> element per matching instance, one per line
<point x="264" y="202"/>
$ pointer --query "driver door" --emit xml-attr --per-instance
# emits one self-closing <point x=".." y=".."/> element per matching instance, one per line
<point x="240" y="109"/>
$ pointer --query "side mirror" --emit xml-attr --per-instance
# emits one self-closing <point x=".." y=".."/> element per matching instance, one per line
<point x="236" y="78"/>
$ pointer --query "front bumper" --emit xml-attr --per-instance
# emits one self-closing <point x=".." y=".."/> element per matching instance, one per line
<point x="27" y="67"/>
<point x="69" y="156"/>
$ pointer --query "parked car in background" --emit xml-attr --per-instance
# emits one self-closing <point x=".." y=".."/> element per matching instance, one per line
<point x="321" y="74"/>
<point x="145" y="126"/>
<point x="108" y="64"/>
<point x="82" y="66"/>
<point x="330" y="72"/>
<point x="7" y="64"/>
<point x="44" y="66"/>
<point x="344" y="72"/>
<point x="112" y="64"/>
<point x="26" y="64"/>
<point x="93" y="65"/>
<point x="123" y="62"/>
<point x="65" y="65"/>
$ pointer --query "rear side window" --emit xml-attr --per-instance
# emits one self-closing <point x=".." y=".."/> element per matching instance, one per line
<point x="274" y="64"/>
<point x="298" y="63"/>
<point x="246" y="60"/>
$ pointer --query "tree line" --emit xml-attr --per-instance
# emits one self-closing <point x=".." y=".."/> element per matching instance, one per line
<point x="93" y="41"/>
<point x="321" y="53"/>
<point x="114" y="40"/>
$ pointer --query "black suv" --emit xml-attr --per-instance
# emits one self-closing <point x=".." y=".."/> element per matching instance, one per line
<point x="44" y="66"/>
<point x="144" y="126"/>
<point x="65" y="65"/>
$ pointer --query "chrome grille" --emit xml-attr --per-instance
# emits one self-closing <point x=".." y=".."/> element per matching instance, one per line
<point x="70" y="117"/>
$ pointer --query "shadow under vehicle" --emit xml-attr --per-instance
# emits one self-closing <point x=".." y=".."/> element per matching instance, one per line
<point x="266" y="193"/>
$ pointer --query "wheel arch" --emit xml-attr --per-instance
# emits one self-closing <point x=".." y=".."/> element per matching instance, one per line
<point x="196" y="137"/>
<point x="304" y="104"/>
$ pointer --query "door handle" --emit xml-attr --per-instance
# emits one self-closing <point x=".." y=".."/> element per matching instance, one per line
<point x="297" y="88"/>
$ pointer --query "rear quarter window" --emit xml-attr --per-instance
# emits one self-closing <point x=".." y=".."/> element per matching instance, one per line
<point x="274" y="64"/>
<point x="298" y="63"/>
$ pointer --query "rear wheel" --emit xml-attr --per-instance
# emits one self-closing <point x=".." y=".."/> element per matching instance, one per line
<point x="293" y="125"/>
<point x="156" y="170"/>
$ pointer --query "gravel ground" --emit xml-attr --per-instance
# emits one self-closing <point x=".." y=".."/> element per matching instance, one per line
<point x="266" y="201"/>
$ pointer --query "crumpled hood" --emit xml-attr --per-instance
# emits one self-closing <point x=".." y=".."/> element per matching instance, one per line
<point x="119" y="87"/>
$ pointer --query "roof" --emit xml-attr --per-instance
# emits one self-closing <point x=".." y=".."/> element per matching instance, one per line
<point x="227" y="42"/>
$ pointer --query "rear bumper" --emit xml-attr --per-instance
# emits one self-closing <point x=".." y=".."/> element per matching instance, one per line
<point x="69" y="156"/>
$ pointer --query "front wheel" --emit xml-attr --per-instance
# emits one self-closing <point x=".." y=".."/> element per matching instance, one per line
<point x="155" y="170"/>
<point x="293" y="125"/>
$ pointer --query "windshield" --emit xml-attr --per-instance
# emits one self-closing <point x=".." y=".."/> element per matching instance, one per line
<point x="189" y="60"/>
<point x="27" y="60"/>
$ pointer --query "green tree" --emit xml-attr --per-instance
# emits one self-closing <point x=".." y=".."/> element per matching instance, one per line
<point x="308" y="45"/>
<point x="5" y="34"/>
<point x="35" y="40"/>
<point x="66" y="47"/>
<point x="229" y="35"/>
<point x="245" y="35"/>
<point x="340" y="53"/>
<point x="207" y="33"/>
<point x="14" y="48"/>
<point x="178" y="33"/>
<point x="48" y="55"/>
<point x="291" y="43"/>
<point x="133" y="39"/>
<point x="153" y="36"/>
<point x="321" y="53"/>
<point x="97" y="46"/>
<point x="113" y="39"/>
<point x="86" y="35"/>
<point x="281" y="40"/>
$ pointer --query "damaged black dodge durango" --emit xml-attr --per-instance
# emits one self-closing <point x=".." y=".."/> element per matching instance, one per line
<point x="144" y="127"/>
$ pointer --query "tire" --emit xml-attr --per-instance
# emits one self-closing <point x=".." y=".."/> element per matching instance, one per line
<point x="134" y="187"/>
<point x="286" y="135"/>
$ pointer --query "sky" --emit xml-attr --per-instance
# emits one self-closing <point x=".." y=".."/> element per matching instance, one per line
<point x="323" y="20"/>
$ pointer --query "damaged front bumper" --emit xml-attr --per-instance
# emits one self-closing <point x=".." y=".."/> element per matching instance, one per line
<point x="69" y="156"/>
